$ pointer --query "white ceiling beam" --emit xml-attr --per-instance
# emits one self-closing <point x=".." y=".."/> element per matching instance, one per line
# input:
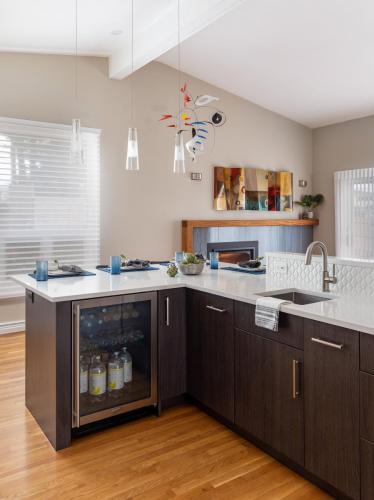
<point x="162" y="34"/>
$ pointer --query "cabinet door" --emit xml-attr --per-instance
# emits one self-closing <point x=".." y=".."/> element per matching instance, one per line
<point x="367" y="468"/>
<point x="172" y="343"/>
<point x="268" y="393"/>
<point x="332" y="405"/>
<point x="211" y="351"/>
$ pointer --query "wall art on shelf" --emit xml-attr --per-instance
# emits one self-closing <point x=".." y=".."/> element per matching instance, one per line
<point x="237" y="188"/>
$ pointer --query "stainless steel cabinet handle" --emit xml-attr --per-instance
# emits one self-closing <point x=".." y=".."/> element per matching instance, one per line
<point x="212" y="308"/>
<point x="167" y="301"/>
<point x="327" y="343"/>
<point x="296" y="388"/>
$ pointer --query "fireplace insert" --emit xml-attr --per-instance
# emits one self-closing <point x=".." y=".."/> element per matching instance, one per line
<point x="234" y="252"/>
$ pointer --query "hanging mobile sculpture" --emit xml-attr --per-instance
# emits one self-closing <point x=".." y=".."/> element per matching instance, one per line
<point x="199" y="118"/>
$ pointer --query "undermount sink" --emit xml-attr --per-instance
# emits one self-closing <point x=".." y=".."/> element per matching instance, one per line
<point x="297" y="297"/>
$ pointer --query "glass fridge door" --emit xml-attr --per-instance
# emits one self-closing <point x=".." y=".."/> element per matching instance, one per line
<point x="115" y="356"/>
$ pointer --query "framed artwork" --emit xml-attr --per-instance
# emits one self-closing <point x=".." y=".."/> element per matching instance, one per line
<point x="237" y="188"/>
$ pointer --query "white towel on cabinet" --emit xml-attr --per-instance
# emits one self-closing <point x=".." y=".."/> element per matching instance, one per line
<point x="267" y="312"/>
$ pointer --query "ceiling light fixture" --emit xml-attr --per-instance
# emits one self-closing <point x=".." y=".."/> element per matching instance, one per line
<point x="76" y="142"/>
<point x="132" y="158"/>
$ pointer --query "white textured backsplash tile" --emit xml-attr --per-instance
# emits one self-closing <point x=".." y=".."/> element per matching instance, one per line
<point x="287" y="269"/>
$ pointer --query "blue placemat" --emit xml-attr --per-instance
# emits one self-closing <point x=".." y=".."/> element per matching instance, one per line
<point x="243" y="270"/>
<point x="67" y="275"/>
<point x="132" y="270"/>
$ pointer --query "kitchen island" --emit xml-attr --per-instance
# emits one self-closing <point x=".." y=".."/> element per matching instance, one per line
<point x="296" y="393"/>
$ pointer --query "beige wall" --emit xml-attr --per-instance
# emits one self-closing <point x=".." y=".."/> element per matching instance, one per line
<point x="141" y="212"/>
<point x="343" y="146"/>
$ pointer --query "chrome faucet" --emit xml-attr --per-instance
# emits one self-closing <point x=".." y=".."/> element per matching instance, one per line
<point x="326" y="278"/>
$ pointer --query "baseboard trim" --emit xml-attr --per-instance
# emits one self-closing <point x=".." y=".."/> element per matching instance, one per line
<point x="12" y="327"/>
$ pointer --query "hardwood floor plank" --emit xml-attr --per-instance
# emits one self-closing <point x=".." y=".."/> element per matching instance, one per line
<point x="184" y="454"/>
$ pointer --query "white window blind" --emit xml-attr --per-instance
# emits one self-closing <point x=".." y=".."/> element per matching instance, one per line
<point x="354" y="213"/>
<point x="49" y="206"/>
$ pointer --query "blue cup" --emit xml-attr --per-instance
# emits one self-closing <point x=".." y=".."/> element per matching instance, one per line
<point x="41" y="273"/>
<point x="179" y="256"/>
<point x="214" y="259"/>
<point x="115" y="264"/>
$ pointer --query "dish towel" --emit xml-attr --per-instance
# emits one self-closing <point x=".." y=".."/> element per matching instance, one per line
<point x="267" y="312"/>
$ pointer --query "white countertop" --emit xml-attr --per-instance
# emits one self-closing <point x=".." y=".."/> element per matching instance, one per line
<point x="347" y="311"/>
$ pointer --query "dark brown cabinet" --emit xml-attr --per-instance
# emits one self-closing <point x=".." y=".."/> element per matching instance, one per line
<point x="210" y="351"/>
<point x="171" y="343"/>
<point x="332" y="405"/>
<point x="268" y="393"/>
<point x="367" y="470"/>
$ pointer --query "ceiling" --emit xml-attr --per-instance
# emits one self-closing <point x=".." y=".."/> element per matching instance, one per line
<point x="309" y="60"/>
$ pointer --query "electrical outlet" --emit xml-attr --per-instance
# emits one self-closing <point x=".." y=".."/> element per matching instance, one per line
<point x="281" y="267"/>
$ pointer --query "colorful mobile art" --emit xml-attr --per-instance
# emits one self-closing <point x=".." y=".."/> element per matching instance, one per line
<point x="252" y="189"/>
<point x="198" y="119"/>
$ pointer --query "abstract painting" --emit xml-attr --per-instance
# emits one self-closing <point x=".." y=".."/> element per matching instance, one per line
<point x="238" y="188"/>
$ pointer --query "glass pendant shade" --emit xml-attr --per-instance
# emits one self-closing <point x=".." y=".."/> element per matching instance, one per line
<point x="179" y="162"/>
<point x="76" y="143"/>
<point x="132" y="160"/>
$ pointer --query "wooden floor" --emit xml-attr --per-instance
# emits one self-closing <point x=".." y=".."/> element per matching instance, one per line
<point x="183" y="454"/>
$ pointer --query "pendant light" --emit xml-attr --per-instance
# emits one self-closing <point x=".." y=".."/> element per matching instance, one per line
<point x="179" y="161"/>
<point x="132" y="158"/>
<point x="76" y="142"/>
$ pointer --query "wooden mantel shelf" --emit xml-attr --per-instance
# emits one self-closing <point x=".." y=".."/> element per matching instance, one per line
<point x="189" y="225"/>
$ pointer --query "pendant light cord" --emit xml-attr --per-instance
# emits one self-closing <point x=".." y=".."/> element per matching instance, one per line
<point x="179" y="65"/>
<point x="132" y="64"/>
<point x="76" y="54"/>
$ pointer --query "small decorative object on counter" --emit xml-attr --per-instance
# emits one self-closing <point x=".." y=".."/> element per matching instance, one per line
<point x="115" y="264"/>
<point x="83" y="375"/>
<point x="53" y="265"/>
<point x="41" y="273"/>
<point x="97" y="379"/>
<point x="115" y="373"/>
<point x="172" y="270"/>
<point x="179" y="256"/>
<point x="309" y="202"/>
<point x="214" y="260"/>
<point x="191" y="264"/>
<point x="251" y="264"/>
<point x="127" y="365"/>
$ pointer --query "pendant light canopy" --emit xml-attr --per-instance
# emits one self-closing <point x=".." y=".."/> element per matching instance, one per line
<point x="179" y="160"/>
<point x="76" y="141"/>
<point x="132" y="158"/>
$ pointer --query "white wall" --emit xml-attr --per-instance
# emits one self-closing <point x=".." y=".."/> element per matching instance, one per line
<point x="344" y="146"/>
<point x="141" y="212"/>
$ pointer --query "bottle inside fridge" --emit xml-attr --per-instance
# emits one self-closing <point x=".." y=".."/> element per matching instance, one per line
<point x="127" y="365"/>
<point x="115" y="373"/>
<point x="83" y="375"/>
<point x="97" y="379"/>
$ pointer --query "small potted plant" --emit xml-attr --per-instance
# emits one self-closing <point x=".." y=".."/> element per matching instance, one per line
<point x="191" y="264"/>
<point x="309" y="202"/>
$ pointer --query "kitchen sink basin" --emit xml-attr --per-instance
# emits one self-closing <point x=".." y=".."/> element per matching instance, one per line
<point x="300" y="298"/>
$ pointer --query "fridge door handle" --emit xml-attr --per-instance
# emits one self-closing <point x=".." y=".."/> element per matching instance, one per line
<point x="76" y="367"/>
<point x="296" y="385"/>
<point x="167" y="302"/>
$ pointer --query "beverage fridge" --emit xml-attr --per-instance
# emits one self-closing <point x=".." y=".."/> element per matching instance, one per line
<point x="114" y="356"/>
